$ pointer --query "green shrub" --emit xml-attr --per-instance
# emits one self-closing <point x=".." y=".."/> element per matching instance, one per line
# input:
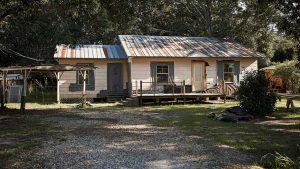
<point x="254" y="96"/>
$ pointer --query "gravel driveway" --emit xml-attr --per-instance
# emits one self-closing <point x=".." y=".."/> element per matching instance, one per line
<point x="122" y="139"/>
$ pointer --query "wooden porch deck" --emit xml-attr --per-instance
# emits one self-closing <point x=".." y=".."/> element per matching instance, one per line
<point x="178" y="96"/>
<point x="179" y="91"/>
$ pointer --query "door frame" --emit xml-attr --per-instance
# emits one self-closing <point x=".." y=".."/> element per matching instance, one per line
<point x="204" y="73"/>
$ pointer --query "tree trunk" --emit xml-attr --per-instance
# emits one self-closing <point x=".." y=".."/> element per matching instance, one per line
<point x="209" y="17"/>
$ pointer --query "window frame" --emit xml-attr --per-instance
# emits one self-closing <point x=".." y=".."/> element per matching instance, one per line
<point x="226" y="72"/>
<point x="168" y="73"/>
<point x="80" y="76"/>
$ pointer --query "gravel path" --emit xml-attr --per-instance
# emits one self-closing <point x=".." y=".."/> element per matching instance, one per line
<point x="123" y="140"/>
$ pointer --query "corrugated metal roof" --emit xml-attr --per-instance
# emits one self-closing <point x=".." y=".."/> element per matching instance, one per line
<point x="90" y="52"/>
<point x="178" y="46"/>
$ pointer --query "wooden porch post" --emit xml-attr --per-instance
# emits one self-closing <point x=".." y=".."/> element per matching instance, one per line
<point x="224" y="91"/>
<point x="224" y="87"/>
<point x="136" y="88"/>
<point x="84" y="90"/>
<point x="183" y="91"/>
<point x="23" y="101"/>
<point x="141" y="93"/>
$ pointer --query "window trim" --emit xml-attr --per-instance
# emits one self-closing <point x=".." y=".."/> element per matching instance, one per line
<point x="162" y="73"/>
<point x="233" y="71"/>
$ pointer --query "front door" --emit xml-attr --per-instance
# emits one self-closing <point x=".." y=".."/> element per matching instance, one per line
<point x="198" y="75"/>
<point x="115" y="79"/>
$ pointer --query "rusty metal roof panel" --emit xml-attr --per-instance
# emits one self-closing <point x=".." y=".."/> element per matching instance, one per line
<point x="179" y="46"/>
<point x="90" y="52"/>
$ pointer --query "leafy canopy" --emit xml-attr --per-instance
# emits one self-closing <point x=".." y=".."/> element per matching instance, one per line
<point x="35" y="27"/>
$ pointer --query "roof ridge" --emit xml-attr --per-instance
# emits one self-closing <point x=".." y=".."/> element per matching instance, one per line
<point x="169" y="36"/>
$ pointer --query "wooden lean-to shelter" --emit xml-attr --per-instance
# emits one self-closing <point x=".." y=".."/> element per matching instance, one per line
<point x="58" y="70"/>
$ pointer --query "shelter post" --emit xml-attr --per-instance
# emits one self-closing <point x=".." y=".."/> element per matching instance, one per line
<point x="84" y="90"/>
<point x="58" y="77"/>
<point x="57" y="89"/>
<point x="3" y="96"/>
<point x="23" y="101"/>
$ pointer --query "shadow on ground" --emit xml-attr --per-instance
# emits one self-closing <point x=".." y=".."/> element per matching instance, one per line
<point x="258" y="137"/>
<point x="110" y="137"/>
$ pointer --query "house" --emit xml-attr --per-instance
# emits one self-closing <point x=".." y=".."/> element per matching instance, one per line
<point x="198" y="62"/>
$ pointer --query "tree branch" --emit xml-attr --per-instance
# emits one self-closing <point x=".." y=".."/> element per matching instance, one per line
<point x="14" y="10"/>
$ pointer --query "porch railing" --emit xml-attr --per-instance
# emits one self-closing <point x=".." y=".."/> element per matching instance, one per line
<point x="181" y="87"/>
<point x="145" y="87"/>
<point x="227" y="89"/>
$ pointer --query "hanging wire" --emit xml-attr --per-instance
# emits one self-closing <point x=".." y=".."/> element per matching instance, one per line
<point x="10" y="51"/>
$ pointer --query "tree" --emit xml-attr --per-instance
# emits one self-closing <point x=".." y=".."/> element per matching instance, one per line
<point x="283" y="49"/>
<point x="40" y="25"/>
<point x="290" y="21"/>
<point x="36" y="31"/>
<point x="281" y="55"/>
<point x="13" y="7"/>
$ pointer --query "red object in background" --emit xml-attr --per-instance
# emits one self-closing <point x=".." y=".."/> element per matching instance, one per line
<point x="276" y="84"/>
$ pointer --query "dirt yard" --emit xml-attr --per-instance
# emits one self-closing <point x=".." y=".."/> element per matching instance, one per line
<point x="105" y="137"/>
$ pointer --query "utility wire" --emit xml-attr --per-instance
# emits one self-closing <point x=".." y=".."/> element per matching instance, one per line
<point x="10" y="51"/>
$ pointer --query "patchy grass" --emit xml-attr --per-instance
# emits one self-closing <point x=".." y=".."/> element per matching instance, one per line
<point x="25" y="132"/>
<point x="282" y="113"/>
<point x="21" y="132"/>
<point x="281" y="134"/>
<point x="60" y="106"/>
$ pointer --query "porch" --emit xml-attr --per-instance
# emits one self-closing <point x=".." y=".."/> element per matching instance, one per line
<point x="179" y="92"/>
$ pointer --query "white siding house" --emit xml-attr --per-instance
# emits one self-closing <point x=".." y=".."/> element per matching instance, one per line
<point x="200" y="62"/>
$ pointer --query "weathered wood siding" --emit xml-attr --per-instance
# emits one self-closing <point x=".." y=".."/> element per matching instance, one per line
<point x="140" y="69"/>
<point x="246" y="64"/>
<point x="100" y="77"/>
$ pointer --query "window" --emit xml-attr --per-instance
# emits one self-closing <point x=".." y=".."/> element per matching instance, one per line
<point x="228" y="72"/>
<point x="80" y="75"/>
<point x="162" y="73"/>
